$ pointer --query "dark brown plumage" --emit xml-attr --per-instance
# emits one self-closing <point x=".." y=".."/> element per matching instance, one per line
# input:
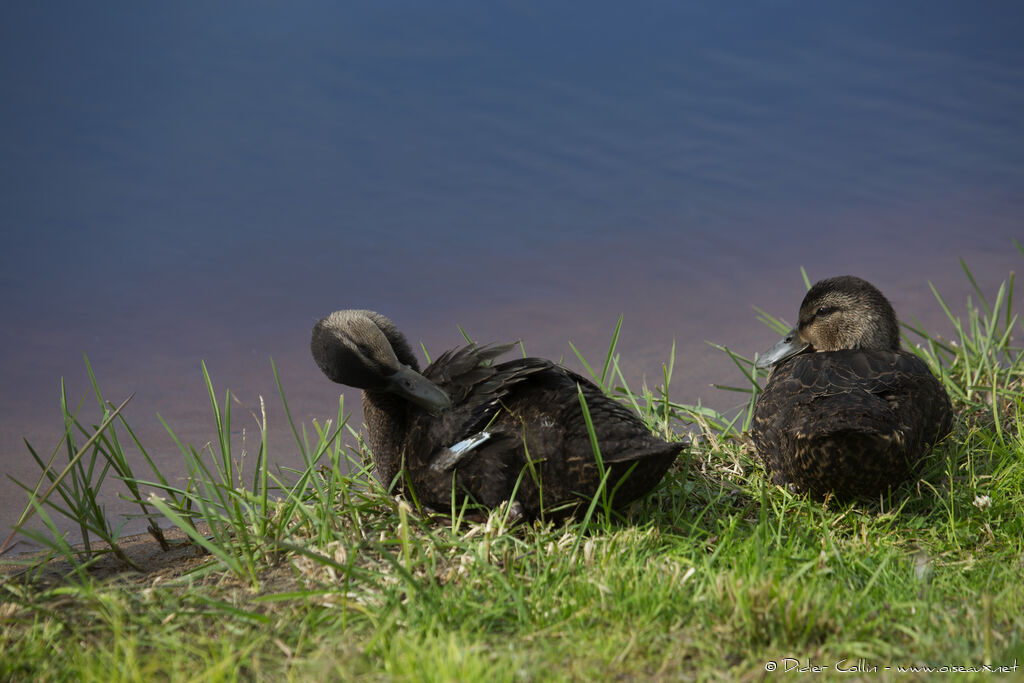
<point x="462" y="424"/>
<point x="845" y="410"/>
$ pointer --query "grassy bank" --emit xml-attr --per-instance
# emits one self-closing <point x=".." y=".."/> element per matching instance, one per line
<point x="316" y="573"/>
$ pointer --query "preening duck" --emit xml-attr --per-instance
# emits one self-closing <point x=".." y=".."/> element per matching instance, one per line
<point x="474" y="428"/>
<point x="845" y="410"/>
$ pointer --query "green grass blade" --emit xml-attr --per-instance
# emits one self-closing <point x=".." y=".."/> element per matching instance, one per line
<point x="41" y="499"/>
<point x="611" y="352"/>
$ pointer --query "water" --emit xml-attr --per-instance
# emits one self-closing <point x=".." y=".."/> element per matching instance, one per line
<point x="187" y="181"/>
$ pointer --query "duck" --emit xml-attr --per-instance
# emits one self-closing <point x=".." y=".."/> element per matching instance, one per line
<point x="845" y="411"/>
<point x="468" y="429"/>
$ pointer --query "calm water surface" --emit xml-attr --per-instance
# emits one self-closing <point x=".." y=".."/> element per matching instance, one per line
<point x="191" y="182"/>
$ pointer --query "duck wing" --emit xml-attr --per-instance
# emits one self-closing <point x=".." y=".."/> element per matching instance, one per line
<point x="851" y="421"/>
<point x="478" y="391"/>
<point x="511" y="421"/>
<point x="862" y="389"/>
<point x="468" y="437"/>
<point x="622" y="434"/>
<point x="476" y="386"/>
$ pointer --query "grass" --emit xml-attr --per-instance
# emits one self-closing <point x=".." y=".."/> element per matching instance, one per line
<point x="316" y="573"/>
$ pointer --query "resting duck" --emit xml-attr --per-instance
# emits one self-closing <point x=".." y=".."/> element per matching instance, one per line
<point x="473" y="428"/>
<point x="845" y="411"/>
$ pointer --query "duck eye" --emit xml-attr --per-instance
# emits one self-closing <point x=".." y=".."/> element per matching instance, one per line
<point x="364" y="350"/>
<point x="825" y="310"/>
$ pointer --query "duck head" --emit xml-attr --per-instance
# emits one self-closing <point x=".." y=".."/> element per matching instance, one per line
<point x="838" y="313"/>
<point x="364" y="349"/>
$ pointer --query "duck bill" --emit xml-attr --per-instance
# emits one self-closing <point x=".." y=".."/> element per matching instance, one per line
<point x="788" y="346"/>
<point x="413" y="386"/>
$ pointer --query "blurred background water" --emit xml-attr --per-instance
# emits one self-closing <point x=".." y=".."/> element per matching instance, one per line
<point x="187" y="181"/>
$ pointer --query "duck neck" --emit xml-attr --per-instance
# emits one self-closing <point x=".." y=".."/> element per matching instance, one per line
<point x="387" y="420"/>
<point x="387" y="416"/>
